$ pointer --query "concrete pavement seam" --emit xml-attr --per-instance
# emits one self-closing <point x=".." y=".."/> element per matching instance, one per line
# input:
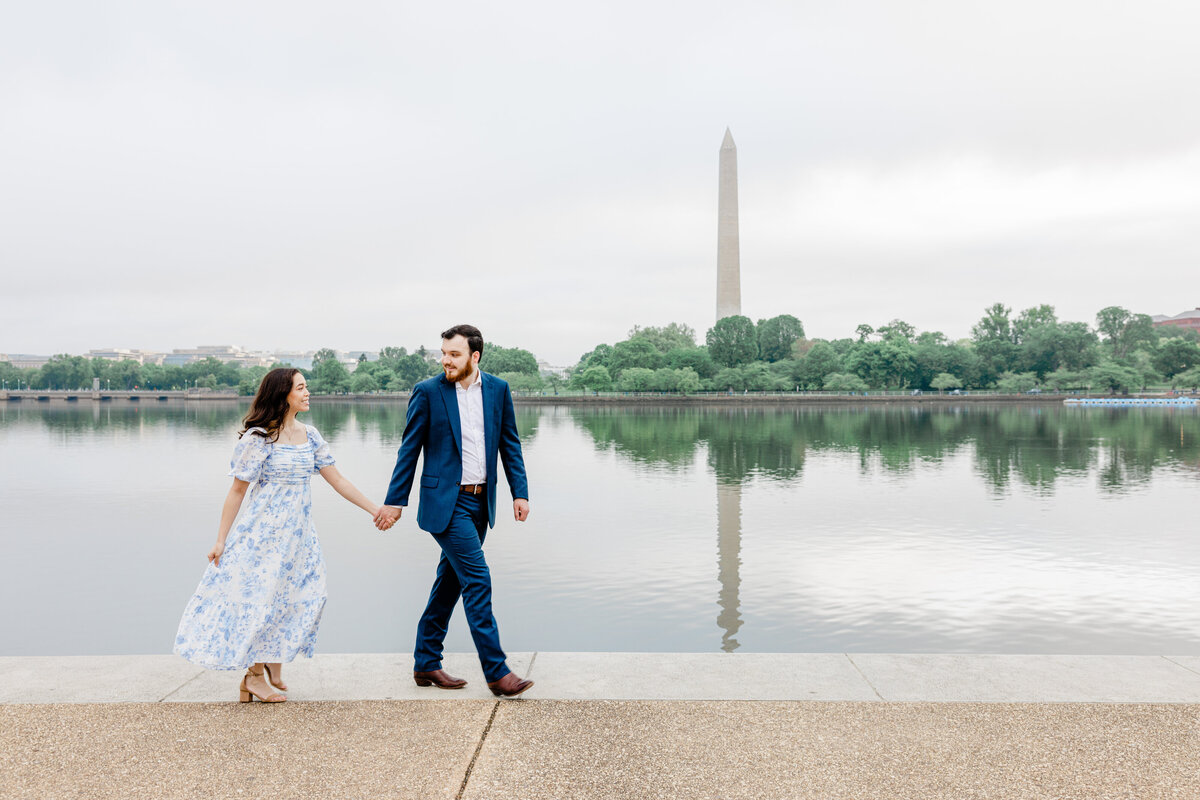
<point x="180" y="686"/>
<point x="529" y="670"/>
<point x="1184" y="666"/>
<point x="864" y="677"/>
<point x="478" y="749"/>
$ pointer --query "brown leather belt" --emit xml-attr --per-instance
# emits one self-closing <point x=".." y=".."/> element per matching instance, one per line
<point x="472" y="488"/>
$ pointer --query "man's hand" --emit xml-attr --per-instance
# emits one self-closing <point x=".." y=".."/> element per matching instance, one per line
<point x="387" y="516"/>
<point x="520" y="509"/>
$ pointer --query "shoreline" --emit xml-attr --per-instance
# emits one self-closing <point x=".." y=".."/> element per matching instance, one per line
<point x="44" y="398"/>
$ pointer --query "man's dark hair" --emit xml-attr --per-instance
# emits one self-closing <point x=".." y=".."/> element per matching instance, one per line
<point x="472" y="334"/>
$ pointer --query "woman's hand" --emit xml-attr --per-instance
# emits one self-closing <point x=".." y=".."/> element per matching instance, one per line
<point x="214" y="555"/>
<point x="385" y="517"/>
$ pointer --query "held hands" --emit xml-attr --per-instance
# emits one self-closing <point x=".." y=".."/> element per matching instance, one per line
<point x="386" y="516"/>
<point x="215" y="554"/>
<point x="520" y="509"/>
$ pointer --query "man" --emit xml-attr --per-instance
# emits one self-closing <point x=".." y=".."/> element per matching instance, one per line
<point x="462" y="420"/>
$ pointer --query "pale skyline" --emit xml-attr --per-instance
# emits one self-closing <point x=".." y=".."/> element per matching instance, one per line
<point x="295" y="176"/>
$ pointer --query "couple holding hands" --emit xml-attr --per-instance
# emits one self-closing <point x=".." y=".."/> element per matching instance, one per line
<point x="259" y="603"/>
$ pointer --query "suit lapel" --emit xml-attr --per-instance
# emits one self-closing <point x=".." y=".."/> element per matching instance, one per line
<point x="451" y="401"/>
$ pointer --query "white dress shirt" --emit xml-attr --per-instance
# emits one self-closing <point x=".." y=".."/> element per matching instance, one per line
<point x="470" y="417"/>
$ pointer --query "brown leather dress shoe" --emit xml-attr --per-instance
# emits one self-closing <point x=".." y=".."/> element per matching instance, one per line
<point x="438" y="678"/>
<point x="509" y="686"/>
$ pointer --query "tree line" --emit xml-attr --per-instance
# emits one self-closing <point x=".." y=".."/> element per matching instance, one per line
<point x="396" y="370"/>
<point x="1029" y="351"/>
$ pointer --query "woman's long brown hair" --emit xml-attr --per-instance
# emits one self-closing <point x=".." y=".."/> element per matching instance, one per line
<point x="269" y="408"/>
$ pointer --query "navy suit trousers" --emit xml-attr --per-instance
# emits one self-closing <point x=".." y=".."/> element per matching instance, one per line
<point x="462" y="572"/>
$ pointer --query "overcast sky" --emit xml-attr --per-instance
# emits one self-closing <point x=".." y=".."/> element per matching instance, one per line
<point x="354" y="175"/>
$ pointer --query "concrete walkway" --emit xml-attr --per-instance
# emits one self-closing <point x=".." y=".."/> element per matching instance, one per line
<point x="611" y="725"/>
<point x="634" y="676"/>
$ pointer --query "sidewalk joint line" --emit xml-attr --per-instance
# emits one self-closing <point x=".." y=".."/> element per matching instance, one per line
<point x="180" y="686"/>
<point x="478" y="749"/>
<point x="1182" y="666"/>
<point x="529" y="673"/>
<point x="864" y="677"/>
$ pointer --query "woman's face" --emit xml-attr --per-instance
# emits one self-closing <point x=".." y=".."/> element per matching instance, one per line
<point x="298" y="397"/>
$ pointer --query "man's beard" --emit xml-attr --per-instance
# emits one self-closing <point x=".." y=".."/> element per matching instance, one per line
<point x="465" y="374"/>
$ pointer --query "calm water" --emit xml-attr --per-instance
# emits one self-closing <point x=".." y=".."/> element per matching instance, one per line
<point x="976" y="530"/>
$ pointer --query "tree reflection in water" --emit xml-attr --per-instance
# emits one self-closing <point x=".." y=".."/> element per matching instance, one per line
<point x="1030" y="446"/>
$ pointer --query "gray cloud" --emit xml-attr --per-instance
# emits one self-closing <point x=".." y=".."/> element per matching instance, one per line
<point x="304" y="175"/>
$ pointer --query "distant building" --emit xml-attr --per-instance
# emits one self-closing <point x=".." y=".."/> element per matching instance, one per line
<point x="25" y="360"/>
<point x="300" y="359"/>
<point x="224" y="353"/>
<point x="121" y="354"/>
<point x="1186" y="319"/>
<point x="546" y="368"/>
<point x="350" y="359"/>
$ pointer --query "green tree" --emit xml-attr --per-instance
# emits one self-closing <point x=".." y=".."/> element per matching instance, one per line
<point x="684" y="380"/>
<point x="522" y="381"/>
<point x="1124" y="331"/>
<point x="1142" y="362"/>
<point x="1078" y="346"/>
<point x="1114" y="377"/>
<point x="897" y="329"/>
<point x="944" y="380"/>
<point x="596" y="379"/>
<point x="820" y="360"/>
<point x="330" y="376"/>
<point x="596" y="358"/>
<point x="363" y="382"/>
<point x="124" y="374"/>
<point x="250" y="378"/>
<point x="636" y="352"/>
<point x="777" y="335"/>
<point x="695" y="358"/>
<point x="63" y="371"/>
<point x="404" y="369"/>
<point x="1176" y="355"/>
<point x="498" y="360"/>
<point x="845" y="382"/>
<point x="1017" y="382"/>
<point x="885" y="363"/>
<point x="733" y="341"/>
<point x="1189" y="378"/>
<point x="758" y="377"/>
<point x="674" y="336"/>
<point x="728" y="379"/>
<point x="1063" y="379"/>
<point x="995" y="342"/>
<point x="1042" y="316"/>
<point x="636" y="379"/>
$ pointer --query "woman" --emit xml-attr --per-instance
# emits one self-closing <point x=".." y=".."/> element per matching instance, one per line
<point x="260" y="601"/>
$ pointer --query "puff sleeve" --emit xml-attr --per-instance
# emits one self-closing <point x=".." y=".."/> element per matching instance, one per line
<point x="249" y="456"/>
<point x="322" y="457"/>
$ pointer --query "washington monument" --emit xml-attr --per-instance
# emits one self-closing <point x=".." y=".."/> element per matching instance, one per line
<point x="729" y="270"/>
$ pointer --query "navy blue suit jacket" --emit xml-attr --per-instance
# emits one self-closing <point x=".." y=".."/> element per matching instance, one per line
<point x="432" y="425"/>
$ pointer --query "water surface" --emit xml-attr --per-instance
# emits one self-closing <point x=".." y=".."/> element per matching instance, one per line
<point x="974" y="529"/>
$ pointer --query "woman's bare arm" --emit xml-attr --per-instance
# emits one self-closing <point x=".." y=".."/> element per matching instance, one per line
<point x="348" y="490"/>
<point x="229" y="512"/>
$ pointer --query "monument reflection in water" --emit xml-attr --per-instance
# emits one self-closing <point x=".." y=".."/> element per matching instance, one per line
<point x="1019" y="529"/>
<point x="1030" y="449"/>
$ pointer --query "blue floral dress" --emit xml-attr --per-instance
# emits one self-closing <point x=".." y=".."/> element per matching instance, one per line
<point x="264" y="602"/>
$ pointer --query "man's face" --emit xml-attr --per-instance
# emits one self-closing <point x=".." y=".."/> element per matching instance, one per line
<point x="457" y="359"/>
